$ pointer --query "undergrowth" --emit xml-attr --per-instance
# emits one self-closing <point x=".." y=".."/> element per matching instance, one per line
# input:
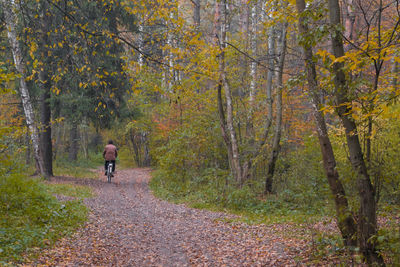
<point x="125" y="158"/>
<point x="205" y="193"/>
<point x="214" y="190"/>
<point x="82" y="168"/>
<point x="31" y="217"/>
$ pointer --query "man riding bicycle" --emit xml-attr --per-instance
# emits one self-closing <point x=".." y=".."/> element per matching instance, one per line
<point x="110" y="154"/>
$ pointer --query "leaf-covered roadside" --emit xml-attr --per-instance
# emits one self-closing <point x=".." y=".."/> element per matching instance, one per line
<point x="128" y="226"/>
<point x="31" y="217"/>
<point x="304" y="225"/>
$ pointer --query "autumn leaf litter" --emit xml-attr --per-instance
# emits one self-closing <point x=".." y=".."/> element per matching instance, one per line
<point x="128" y="226"/>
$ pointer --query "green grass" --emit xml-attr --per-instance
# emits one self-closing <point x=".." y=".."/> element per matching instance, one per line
<point x="32" y="218"/>
<point x="86" y="168"/>
<point x="82" y="168"/>
<point x="243" y="202"/>
<point x="76" y="191"/>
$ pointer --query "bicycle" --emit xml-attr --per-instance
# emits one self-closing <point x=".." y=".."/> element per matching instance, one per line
<point x="109" y="172"/>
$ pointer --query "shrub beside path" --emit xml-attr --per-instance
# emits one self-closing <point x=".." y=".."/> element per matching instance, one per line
<point x="128" y="226"/>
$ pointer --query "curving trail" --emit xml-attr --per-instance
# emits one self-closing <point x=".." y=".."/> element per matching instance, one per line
<point x="128" y="226"/>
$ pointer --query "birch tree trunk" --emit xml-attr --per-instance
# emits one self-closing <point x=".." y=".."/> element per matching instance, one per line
<point x="168" y="73"/>
<point x="170" y="70"/>
<point x="224" y="129"/>
<point x="236" y="167"/>
<point x="253" y="48"/>
<point x="11" y="20"/>
<point x="28" y="149"/>
<point x="344" y="217"/>
<point x="367" y="226"/>
<point x="278" y="126"/>
<point x="221" y="111"/>
<point x="270" y="73"/>
<point x="253" y="71"/>
<point x="141" y="41"/>
<point x="244" y="90"/>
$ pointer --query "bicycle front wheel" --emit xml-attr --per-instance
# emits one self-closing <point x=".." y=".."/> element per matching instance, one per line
<point x="109" y="173"/>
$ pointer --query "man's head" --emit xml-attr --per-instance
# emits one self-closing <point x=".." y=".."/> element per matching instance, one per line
<point x="110" y="141"/>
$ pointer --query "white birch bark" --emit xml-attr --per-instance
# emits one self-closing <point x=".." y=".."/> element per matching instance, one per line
<point x="270" y="74"/>
<point x="236" y="168"/>
<point x="141" y="44"/>
<point x="253" y="48"/>
<point x="11" y="20"/>
<point x="170" y="71"/>
<point x="252" y="36"/>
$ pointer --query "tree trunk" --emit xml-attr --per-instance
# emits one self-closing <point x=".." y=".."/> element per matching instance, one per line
<point x="224" y="130"/>
<point x="270" y="72"/>
<point x="253" y="48"/>
<point x="11" y="20"/>
<point x="349" y="21"/>
<point x="216" y="22"/>
<point x="344" y="216"/>
<point x="253" y="71"/>
<point x="135" y="146"/>
<point x="73" y="142"/>
<point x="278" y="126"/>
<point x="45" y="85"/>
<point x="141" y="42"/>
<point x="58" y="139"/>
<point x="45" y="118"/>
<point x="170" y="72"/>
<point x="147" y="159"/>
<point x="395" y="72"/>
<point x="243" y="90"/>
<point x="196" y="13"/>
<point x="28" y="149"/>
<point x="85" y="138"/>
<point x="236" y="167"/>
<point x="244" y="16"/>
<point x="367" y="226"/>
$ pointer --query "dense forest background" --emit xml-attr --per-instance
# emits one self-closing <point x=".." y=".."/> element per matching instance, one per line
<point x="274" y="108"/>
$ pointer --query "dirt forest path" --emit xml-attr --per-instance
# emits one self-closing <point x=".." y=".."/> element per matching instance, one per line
<point x="128" y="226"/>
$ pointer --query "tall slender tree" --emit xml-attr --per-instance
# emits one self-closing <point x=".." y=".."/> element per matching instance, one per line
<point x="9" y="8"/>
<point x="279" y="109"/>
<point x="367" y="224"/>
<point x="45" y="86"/>
<point x="344" y="216"/>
